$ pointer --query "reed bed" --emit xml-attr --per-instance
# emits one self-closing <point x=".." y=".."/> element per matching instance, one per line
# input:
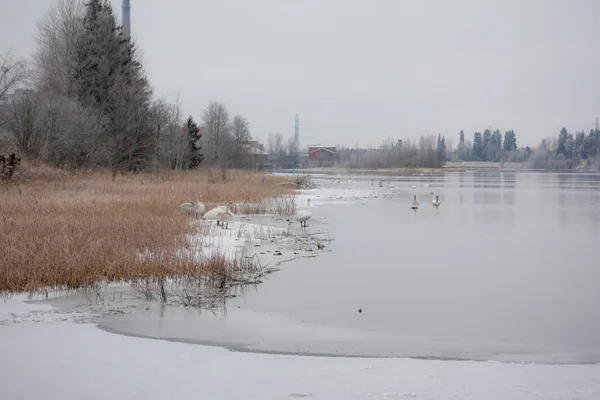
<point x="62" y="231"/>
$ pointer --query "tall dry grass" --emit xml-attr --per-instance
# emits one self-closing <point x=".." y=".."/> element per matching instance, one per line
<point x="60" y="231"/>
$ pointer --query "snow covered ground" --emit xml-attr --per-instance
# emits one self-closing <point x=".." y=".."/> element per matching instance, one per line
<point x="67" y="360"/>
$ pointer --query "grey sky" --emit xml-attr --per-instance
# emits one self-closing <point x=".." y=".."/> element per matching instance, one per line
<point x="359" y="71"/>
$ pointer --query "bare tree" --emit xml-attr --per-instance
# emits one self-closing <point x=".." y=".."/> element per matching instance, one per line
<point x="177" y="138"/>
<point x="279" y="148"/>
<point x="270" y="143"/>
<point x="23" y="121"/>
<point x="216" y="120"/>
<point x="58" y="38"/>
<point x="159" y="113"/>
<point x="291" y="146"/>
<point x="74" y="134"/>
<point x="240" y="130"/>
<point x="12" y="73"/>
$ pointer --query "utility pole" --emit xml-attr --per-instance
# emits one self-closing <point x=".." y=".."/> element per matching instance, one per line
<point x="297" y="140"/>
<point x="126" y="19"/>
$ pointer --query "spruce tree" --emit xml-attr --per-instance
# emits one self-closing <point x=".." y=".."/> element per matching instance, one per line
<point x="194" y="135"/>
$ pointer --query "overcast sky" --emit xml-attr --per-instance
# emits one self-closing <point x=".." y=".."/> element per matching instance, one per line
<point x="363" y="70"/>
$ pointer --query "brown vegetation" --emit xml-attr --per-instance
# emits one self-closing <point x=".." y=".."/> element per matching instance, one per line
<point x="60" y="230"/>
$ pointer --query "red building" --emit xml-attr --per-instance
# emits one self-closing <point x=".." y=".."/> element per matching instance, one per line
<point x="321" y="156"/>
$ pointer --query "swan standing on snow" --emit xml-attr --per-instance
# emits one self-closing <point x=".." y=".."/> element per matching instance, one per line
<point x="304" y="215"/>
<point x="193" y="207"/>
<point x="435" y="200"/>
<point x="226" y="216"/>
<point x="415" y="203"/>
<point x="220" y="214"/>
<point x="222" y="208"/>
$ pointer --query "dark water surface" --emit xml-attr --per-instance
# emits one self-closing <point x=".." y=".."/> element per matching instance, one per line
<point x="507" y="268"/>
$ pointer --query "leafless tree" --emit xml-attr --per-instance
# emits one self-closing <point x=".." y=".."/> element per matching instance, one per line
<point x="177" y="138"/>
<point x="291" y="146"/>
<point x="74" y="134"/>
<point x="279" y="148"/>
<point x="216" y="121"/>
<point x="23" y="121"/>
<point x="58" y="34"/>
<point x="159" y="114"/>
<point x="240" y="131"/>
<point x="12" y="73"/>
<point x="271" y="143"/>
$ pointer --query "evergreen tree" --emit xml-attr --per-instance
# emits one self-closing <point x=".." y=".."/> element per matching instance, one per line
<point x="462" y="151"/>
<point x="487" y="151"/>
<point x="510" y="141"/>
<point x="194" y="135"/>
<point x="478" y="147"/>
<point x="496" y="146"/>
<point x="441" y="149"/>
<point x="562" y="142"/>
<point x="579" y="145"/>
<point x="108" y="77"/>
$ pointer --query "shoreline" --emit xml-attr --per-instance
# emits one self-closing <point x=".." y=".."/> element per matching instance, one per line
<point x="451" y="167"/>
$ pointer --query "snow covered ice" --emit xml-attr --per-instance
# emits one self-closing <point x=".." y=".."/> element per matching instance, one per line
<point x="67" y="360"/>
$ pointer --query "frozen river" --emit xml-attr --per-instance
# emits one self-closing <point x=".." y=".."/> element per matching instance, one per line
<point x="506" y="269"/>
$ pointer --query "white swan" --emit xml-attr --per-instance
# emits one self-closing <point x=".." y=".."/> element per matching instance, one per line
<point x="304" y="215"/>
<point x="222" y="208"/>
<point x="391" y="185"/>
<point x="220" y="214"/>
<point x="435" y="200"/>
<point x="193" y="207"/>
<point x="415" y="203"/>
<point x="226" y="216"/>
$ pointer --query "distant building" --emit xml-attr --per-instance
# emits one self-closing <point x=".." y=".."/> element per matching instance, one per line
<point x="256" y="155"/>
<point x="322" y="156"/>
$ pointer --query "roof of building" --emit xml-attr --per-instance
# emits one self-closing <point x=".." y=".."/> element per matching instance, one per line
<point x="255" y="151"/>
<point x="319" y="148"/>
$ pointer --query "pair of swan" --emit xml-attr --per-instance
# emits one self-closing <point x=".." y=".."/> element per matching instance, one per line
<point x="195" y="207"/>
<point x="304" y="215"/>
<point x="221" y="214"/>
<point x="435" y="200"/>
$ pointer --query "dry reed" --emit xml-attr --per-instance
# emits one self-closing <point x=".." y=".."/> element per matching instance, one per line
<point x="66" y="231"/>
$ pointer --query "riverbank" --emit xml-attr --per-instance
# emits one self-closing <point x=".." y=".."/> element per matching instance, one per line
<point x="65" y="232"/>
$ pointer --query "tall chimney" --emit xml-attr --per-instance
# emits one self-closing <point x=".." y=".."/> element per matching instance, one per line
<point x="126" y="19"/>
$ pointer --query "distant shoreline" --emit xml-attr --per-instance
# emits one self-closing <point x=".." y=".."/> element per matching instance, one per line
<point x="449" y="167"/>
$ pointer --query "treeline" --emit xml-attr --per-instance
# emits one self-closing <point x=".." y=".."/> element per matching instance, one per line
<point x="86" y="101"/>
<point x="491" y="146"/>
<point x="432" y="151"/>
<point x="429" y="151"/>
<point x="568" y="152"/>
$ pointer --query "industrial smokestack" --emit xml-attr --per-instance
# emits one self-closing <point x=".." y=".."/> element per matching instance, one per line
<point x="126" y="19"/>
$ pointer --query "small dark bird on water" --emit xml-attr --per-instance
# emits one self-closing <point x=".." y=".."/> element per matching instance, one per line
<point x="360" y="310"/>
